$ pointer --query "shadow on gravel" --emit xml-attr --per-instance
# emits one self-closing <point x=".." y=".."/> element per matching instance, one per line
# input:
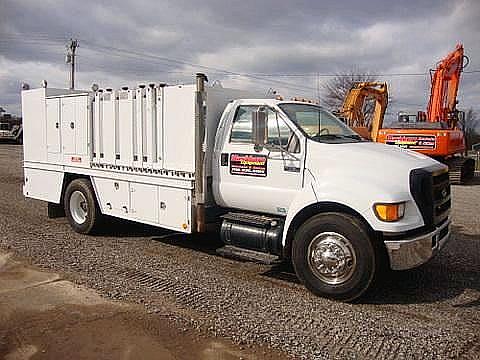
<point x="123" y="228"/>
<point x="205" y="243"/>
<point x="454" y="270"/>
<point x="283" y="271"/>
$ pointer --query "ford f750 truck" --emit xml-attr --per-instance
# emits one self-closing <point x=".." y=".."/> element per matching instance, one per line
<point x="286" y="178"/>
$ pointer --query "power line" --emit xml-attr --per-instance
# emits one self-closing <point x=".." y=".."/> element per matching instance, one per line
<point x="170" y="62"/>
<point x="40" y="38"/>
<point x="198" y="66"/>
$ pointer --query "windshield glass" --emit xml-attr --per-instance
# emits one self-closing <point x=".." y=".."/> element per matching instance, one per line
<point x="319" y="124"/>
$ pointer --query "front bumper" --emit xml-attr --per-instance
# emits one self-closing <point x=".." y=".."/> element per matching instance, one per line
<point x="412" y="252"/>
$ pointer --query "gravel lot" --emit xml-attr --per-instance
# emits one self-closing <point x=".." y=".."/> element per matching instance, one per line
<point x="430" y="312"/>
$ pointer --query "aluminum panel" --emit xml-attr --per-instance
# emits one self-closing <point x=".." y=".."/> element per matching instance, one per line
<point x="113" y="196"/>
<point x="144" y="202"/>
<point x="126" y="120"/>
<point x="174" y="208"/>
<point x="140" y="119"/>
<point x="68" y="115"/>
<point x="179" y="128"/>
<point x="53" y="125"/>
<point x="109" y="108"/>
<point x="97" y="127"/>
<point x="150" y="130"/>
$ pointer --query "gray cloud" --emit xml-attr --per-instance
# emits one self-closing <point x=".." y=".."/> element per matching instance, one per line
<point x="243" y="36"/>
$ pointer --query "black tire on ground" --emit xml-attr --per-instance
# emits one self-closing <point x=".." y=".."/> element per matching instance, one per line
<point x="333" y="234"/>
<point x="81" y="208"/>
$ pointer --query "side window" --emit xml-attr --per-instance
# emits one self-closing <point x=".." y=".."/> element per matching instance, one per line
<point x="278" y="131"/>
<point x="281" y="135"/>
<point x="242" y="125"/>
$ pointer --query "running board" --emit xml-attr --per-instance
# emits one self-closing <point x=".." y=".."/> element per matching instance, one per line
<point x="237" y="253"/>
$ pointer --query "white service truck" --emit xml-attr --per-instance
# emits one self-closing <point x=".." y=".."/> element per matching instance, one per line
<point x="286" y="178"/>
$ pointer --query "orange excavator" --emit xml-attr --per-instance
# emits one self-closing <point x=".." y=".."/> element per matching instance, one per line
<point x="352" y="111"/>
<point x="436" y="133"/>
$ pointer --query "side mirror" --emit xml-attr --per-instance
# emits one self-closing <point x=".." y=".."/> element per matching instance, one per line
<point x="259" y="128"/>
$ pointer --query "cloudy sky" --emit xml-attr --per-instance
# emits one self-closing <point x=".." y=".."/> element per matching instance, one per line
<point x="260" y="44"/>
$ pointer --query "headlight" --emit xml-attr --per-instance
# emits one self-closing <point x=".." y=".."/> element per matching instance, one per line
<point x="389" y="212"/>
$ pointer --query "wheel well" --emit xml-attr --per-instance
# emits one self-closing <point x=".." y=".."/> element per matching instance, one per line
<point x="314" y="209"/>
<point x="67" y="179"/>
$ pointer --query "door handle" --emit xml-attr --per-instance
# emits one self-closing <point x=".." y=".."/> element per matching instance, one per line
<point x="72" y="125"/>
<point x="56" y="125"/>
<point x="224" y="159"/>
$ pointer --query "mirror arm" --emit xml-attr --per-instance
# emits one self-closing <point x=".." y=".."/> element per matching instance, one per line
<point x="282" y="150"/>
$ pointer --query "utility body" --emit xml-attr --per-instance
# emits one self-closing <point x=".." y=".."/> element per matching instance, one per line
<point x="286" y="178"/>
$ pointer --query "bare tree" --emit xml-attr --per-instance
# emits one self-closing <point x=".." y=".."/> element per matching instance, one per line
<point x="469" y="127"/>
<point x="337" y="88"/>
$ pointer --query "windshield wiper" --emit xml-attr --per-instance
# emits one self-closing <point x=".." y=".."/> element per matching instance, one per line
<point x="332" y="136"/>
<point x="337" y="136"/>
<point x="353" y="136"/>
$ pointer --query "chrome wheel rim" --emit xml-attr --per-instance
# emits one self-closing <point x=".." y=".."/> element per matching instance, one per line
<point x="331" y="258"/>
<point x="78" y="207"/>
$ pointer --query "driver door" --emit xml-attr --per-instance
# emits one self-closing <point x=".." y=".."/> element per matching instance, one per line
<point x="266" y="179"/>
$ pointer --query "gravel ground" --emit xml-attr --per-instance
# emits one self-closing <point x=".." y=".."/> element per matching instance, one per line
<point x="429" y="312"/>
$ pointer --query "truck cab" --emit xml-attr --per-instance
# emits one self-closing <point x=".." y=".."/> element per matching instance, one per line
<point x="339" y="199"/>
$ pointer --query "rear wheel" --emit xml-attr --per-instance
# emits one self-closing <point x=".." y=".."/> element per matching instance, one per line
<point x="334" y="257"/>
<point x="80" y="206"/>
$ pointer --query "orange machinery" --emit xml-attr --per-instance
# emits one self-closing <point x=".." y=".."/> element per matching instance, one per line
<point x="352" y="110"/>
<point x="436" y="132"/>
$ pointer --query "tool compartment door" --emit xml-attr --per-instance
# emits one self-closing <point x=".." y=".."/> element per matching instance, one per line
<point x="174" y="209"/>
<point x="68" y="124"/>
<point x="144" y="202"/>
<point x="74" y="119"/>
<point x="113" y="196"/>
<point x="53" y="125"/>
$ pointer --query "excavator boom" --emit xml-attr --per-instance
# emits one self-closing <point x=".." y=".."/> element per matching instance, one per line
<point x="443" y="93"/>
<point x="353" y="108"/>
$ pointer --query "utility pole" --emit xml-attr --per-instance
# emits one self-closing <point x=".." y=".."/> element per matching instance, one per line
<point x="70" y="59"/>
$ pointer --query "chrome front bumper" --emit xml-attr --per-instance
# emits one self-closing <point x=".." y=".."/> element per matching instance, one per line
<point x="412" y="252"/>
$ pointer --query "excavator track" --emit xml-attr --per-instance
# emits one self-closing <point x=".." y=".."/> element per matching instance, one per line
<point x="461" y="169"/>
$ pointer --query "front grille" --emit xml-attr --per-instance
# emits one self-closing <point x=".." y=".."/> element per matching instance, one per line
<point x="441" y="197"/>
<point x="431" y="191"/>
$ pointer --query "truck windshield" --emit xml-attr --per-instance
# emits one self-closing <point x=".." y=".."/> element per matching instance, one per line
<point x="319" y="124"/>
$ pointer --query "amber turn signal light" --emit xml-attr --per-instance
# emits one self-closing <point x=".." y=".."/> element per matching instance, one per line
<point x="389" y="212"/>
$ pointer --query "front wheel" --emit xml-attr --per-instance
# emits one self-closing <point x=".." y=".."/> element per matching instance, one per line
<point x="334" y="256"/>
<point x="80" y="206"/>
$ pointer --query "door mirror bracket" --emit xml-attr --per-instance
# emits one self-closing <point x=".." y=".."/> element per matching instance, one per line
<point x="259" y="128"/>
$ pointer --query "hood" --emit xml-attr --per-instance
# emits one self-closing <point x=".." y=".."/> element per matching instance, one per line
<point x="385" y="168"/>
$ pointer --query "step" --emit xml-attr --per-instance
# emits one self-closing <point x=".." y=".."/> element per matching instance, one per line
<point x="252" y="219"/>
<point x="237" y="253"/>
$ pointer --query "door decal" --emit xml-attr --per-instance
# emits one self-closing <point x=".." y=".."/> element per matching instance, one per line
<point x="248" y="165"/>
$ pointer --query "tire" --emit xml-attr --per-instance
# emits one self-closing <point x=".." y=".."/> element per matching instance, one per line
<point x="80" y="206"/>
<point x="334" y="257"/>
